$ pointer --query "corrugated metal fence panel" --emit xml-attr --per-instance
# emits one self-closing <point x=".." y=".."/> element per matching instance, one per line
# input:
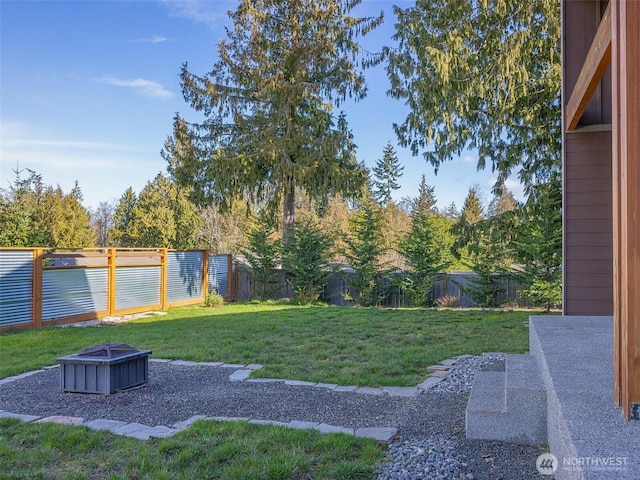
<point x="66" y="293"/>
<point x="184" y="276"/>
<point x="137" y="287"/>
<point x="218" y="274"/>
<point x="16" y="284"/>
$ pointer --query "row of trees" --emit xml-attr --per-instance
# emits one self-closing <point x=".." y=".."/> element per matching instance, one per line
<point x="377" y="237"/>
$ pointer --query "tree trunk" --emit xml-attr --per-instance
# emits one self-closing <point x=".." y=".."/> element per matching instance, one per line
<point x="288" y="211"/>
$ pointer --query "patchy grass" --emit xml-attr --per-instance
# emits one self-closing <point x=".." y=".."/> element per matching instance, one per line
<point x="208" y="449"/>
<point x="343" y="345"/>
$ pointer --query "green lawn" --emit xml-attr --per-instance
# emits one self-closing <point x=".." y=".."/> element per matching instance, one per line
<point x="363" y="346"/>
<point x="206" y="450"/>
<point x="343" y="345"/>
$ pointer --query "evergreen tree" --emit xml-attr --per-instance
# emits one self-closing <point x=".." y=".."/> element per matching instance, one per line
<point x="270" y="129"/>
<point x="68" y="222"/>
<point x="33" y="214"/>
<point x="264" y="255"/>
<point x="386" y="174"/>
<point x="364" y="251"/>
<point x="483" y="75"/>
<point x="427" y="249"/>
<point x="123" y="233"/>
<point x="306" y="260"/>
<point x="18" y="212"/>
<point x="539" y="244"/>
<point x="425" y="202"/>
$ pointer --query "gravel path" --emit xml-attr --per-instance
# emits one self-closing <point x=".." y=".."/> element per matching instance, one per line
<point x="430" y="443"/>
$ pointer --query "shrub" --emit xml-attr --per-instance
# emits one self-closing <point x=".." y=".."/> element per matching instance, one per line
<point x="214" y="300"/>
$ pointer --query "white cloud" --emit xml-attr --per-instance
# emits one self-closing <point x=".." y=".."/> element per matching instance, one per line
<point x="148" y="88"/>
<point x="210" y="13"/>
<point x="154" y="39"/>
<point x="469" y="159"/>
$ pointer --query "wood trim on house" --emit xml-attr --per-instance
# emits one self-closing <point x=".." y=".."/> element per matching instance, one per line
<point x="593" y="69"/>
<point x="626" y="202"/>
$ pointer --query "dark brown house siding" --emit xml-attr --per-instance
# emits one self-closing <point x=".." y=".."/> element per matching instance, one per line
<point x="588" y="240"/>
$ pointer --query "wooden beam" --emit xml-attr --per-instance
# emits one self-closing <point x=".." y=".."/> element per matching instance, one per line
<point x="626" y="178"/>
<point x="593" y="69"/>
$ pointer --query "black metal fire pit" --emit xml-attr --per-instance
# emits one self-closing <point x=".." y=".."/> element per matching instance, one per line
<point x="105" y="368"/>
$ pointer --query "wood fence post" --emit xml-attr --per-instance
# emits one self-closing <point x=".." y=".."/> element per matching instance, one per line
<point x="36" y="291"/>
<point x="111" y="297"/>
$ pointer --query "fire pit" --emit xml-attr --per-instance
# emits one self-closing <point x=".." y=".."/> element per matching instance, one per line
<point x="105" y="369"/>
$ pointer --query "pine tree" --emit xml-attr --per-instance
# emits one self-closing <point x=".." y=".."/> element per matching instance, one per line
<point x="270" y="129"/>
<point x="386" y="174"/>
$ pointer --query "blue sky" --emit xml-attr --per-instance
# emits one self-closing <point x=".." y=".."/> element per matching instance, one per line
<point x="88" y="91"/>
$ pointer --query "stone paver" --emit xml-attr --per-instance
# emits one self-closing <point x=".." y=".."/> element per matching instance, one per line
<point x="231" y="419"/>
<point x="268" y="422"/>
<point x="302" y="425"/>
<point x="439" y="367"/>
<point x="401" y="391"/>
<point x="160" y="431"/>
<point x="62" y="419"/>
<point x="159" y="360"/>
<point x="370" y="391"/>
<point x="253" y="366"/>
<point x="449" y="362"/>
<point x="19" y="416"/>
<point x="240" y="375"/>
<point x="129" y="428"/>
<point x="439" y="373"/>
<point x="188" y="422"/>
<point x="345" y="388"/>
<point x="330" y="386"/>
<point x="210" y="364"/>
<point x="104" y="424"/>
<point x="231" y="365"/>
<point x="184" y="363"/>
<point x="300" y="383"/>
<point x="382" y="434"/>
<point x="325" y="428"/>
<point x="429" y="382"/>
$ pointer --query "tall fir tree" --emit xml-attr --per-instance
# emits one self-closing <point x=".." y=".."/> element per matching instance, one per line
<point x="386" y="173"/>
<point x="270" y="127"/>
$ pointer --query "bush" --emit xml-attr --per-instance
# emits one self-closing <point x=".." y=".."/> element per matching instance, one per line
<point x="214" y="300"/>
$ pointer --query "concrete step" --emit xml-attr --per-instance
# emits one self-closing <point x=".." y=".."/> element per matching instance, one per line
<point x="509" y="406"/>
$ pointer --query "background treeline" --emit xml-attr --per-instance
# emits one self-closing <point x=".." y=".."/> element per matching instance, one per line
<point x="383" y="244"/>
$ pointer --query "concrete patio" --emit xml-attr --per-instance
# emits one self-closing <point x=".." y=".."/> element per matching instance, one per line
<point x="571" y="360"/>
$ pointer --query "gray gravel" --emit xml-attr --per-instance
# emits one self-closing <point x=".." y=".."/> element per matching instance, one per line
<point x="430" y="442"/>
